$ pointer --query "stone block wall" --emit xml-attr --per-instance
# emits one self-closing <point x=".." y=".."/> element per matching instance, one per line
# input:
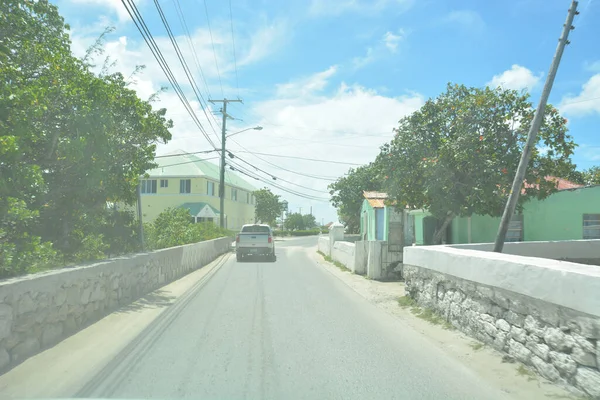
<point x="561" y="343"/>
<point x="343" y="252"/>
<point x="38" y="311"/>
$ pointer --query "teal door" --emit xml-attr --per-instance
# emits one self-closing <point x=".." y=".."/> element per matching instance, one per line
<point x="379" y="223"/>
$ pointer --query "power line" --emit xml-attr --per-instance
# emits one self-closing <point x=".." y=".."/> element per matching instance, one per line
<point x="186" y="154"/>
<point x="213" y="47"/>
<point x="237" y="86"/>
<point x="187" y="162"/>
<point x="303" y="158"/>
<point x="278" y="178"/>
<point x="186" y="68"/>
<point x="325" y="178"/>
<point x="271" y="183"/>
<point x="140" y="24"/>
<point x="191" y="44"/>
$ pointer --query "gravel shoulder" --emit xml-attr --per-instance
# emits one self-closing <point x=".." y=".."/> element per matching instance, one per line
<point x="512" y="378"/>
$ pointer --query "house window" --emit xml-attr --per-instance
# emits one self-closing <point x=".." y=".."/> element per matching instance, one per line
<point x="234" y="194"/>
<point x="149" y="186"/>
<point x="205" y="219"/>
<point x="185" y="186"/>
<point x="591" y="226"/>
<point x="164" y="183"/>
<point x="248" y="198"/>
<point x="210" y="188"/>
<point x="515" y="229"/>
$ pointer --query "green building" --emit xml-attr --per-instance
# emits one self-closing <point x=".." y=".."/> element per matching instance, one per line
<point x="572" y="213"/>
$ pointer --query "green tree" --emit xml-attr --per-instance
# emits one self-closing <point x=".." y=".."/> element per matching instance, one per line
<point x="70" y="141"/>
<point x="591" y="176"/>
<point x="458" y="154"/>
<point x="347" y="193"/>
<point x="268" y="206"/>
<point x="309" y="221"/>
<point x="294" y="222"/>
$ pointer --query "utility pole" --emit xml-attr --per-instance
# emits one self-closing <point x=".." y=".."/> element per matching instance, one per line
<point x="222" y="172"/>
<point x="139" y="213"/>
<point x="515" y="190"/>
<point x="300" y="208"/>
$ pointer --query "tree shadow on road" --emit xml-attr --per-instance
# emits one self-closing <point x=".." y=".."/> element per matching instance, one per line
<point x="156" y="299"/>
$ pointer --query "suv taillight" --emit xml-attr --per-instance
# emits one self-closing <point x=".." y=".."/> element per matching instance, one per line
<point x="270" y="239"/>
<point x="237" y="238"/>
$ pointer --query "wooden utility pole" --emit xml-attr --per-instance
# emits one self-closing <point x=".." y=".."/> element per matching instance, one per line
<point x="517" y="184"/>
<point x="222" y="168"/>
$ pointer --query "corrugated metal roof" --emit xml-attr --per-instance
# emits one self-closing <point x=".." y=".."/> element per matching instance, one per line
<point x="375" y="199"/>
<point x="182" y="164"/>
<point x="375" y="195"/>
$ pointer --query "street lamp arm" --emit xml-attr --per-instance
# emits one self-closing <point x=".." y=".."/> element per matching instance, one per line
<point x="256" y="128"/>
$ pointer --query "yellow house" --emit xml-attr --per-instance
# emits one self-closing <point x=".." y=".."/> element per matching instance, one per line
<point x="187" y="181"/>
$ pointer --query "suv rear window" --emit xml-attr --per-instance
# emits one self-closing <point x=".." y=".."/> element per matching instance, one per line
<point x="256" y="229"/>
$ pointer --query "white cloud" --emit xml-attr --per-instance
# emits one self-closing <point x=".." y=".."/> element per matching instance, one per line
<point x="391" y="40"/>
<point x="388" y="44"/>
<point x="592" y="66"/>
<point x="337" y="7"/>
<point x="467" y="19"/>
<point x="306" y="86"/>
<point x="368" y="58"/>
<point x="517" y="78"/>
<point x="586" y="102"/>
<point x="115" y="6"/>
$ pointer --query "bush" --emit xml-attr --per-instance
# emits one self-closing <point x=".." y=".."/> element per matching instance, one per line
<point x="173" y="227"/>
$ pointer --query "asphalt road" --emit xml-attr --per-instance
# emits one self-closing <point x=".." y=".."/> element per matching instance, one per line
<point x="283" y="330"/>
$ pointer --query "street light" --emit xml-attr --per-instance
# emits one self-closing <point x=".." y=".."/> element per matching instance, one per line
<point x="256" y="128"/>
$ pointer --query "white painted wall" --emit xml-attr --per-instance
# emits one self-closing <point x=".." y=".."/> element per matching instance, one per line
<point x="324" y="246"/>
<point x="361" y="257"/>
<point x="556" y="250"/>
<point x="576" y="286"/>
<point x="344" y="252"/>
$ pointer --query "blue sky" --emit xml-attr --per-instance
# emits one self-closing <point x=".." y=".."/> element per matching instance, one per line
<point x="329" y="79"/>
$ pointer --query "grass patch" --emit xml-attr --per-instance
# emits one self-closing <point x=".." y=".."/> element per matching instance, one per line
<point x="426" y="314"/>
<point x="522" y="371"/>
<point x="406" y="301"/>
<point x="331" y="260"/>
<point x="476" y="345"/>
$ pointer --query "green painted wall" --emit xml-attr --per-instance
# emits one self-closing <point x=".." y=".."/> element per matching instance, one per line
<point x="558" y="217"/>
<point x="419" y="216"/>
<point x="366" y="207"/>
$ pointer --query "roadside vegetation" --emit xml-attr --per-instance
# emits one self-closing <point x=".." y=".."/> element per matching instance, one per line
<point x="457" y="156"/>
<point x="173" y="227"/>
<point x="334" y="262"/>
<point x="424" y="313"/>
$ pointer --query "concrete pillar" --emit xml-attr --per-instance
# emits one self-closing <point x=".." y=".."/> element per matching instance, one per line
<point x="360" y="257"/>
<point x="374" y="260"/>
<point x="336" y="233"/>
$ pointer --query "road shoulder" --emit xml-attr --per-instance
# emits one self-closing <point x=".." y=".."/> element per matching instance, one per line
<point x="512" y="378"/>
<point x="62" y="370"/>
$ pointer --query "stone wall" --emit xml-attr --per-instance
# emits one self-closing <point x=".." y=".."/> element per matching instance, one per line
<point x="37" y="311"/>
<point x="555" y="331"/>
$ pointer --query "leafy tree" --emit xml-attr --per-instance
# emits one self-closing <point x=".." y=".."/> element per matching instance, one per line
<point x="458" y="154"/>
<point x="309" y="221"/>
<point x="268" y="207"/>
<point x="347" y="193"/>
<point x="294" y="222"/>
<point x="591" y="176"/>
<point x="70" y="141"/>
